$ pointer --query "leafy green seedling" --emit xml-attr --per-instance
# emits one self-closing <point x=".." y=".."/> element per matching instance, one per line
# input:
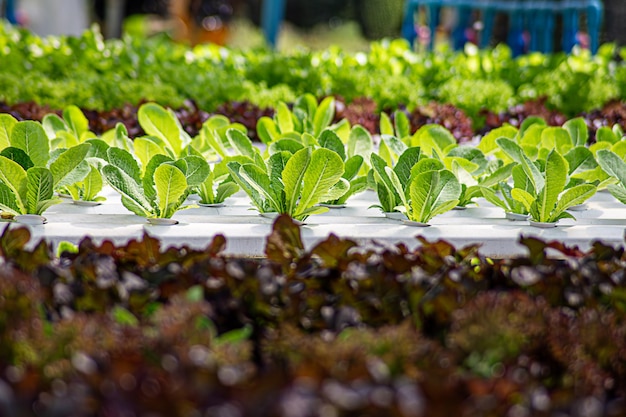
<point x="70" y="130"/>
<point x="88" y="188"/>
<point x="26" y="188"/>
<point x="614" y="166"/>
<point x="357" y="183"/>
<point x="306" y="117"/>
<point x="292" y="183"/>
<point x="380" y="179"/>
<point x="164" y="134"/>
<point x="214" y="138"/>
<point x="550" y="199"/>
<point x="433" y="190"/>
<point x="163" y="188"/>
<point x="218" y="185"/>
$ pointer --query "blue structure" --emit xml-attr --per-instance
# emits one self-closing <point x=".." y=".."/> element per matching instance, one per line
<point x="537" y="17"/>
<point x="272" y="15"/>
<point x="9" y="10"/>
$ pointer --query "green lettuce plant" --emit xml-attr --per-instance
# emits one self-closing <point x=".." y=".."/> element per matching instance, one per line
<point x="218" y="185"/>
<point x="380" y="178"/>
<point x="433" y="190"/>
<point x="292" y="184"/>
<point x="88" y="188"/>
<point x="352" y="166"/>
<point x="70" y="130"/>
<point x="305" y="117"/>
<point x="615" y="167"/>
<point x="30" y="173"/>
<point x="549" y="197"/>
<point x="163" y="188"/>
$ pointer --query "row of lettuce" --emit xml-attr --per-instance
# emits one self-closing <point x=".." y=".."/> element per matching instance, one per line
<point x="307" y="163"/>
<point x="96" y="74"/>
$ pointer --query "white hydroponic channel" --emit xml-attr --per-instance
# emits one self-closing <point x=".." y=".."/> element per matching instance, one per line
<point x="246" y="231"/>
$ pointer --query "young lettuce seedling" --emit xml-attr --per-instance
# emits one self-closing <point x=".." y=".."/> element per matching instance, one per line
<point x="164" y="187"/>
<point x="292" y="183"/>
<point x="353" y="164"/>
<point x="379" y="178"/>
<point x="551" y="198"/>
<point x="433" y="190"/>
<point x="218" y="185"/>
<point x="306" y="117"/>
<point x="28" y="173"/>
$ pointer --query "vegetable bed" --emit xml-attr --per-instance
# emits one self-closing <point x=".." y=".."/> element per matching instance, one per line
<point x="339" y="329"/>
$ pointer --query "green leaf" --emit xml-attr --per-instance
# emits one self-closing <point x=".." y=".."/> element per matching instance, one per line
<point x="556" y="138"/>
<point x="275" y="166"/>
<point x="385" y="126"/>
<point x="329" y="140"/>
<point x="92" y="185"/>
<point x="425" y="165"/>
<point x="517" y="154"/>
<point x="395" y="145"/>
<point x="234" y="167"/>
<point x="352" y="167"/>
<point x="98" y="149"/>
<point x="14" y="177"/>
<point x="398" y="187"/>
<point x="257" y="179"/>
<point x="491" y="196"/>
<point x="488" y="143"/>
<point x="618" y="192"/>
<point x="7" y="122"/>
<point x="580" y="159"/>
<point x="337" y="191"/>
<point x="499" y="175"/>
<point x="605" y="134"/>
<point x="402" y="124"/>
<point x="383" y="180"/>
<point x="612" y="165"/>
<point x="433" y="139"/>
<point x="70" y="167"/>
<point x="52" y="124"/>
<point x="360" y="143"/>
<point x="157" y="121"/>
<point x="323" y="115"/>
<point x="289" y="145"/>
<point x="8" y="202"/>
<point x="405" y="164"/>
<point x="132" y="194"/>
<point x="578" y="131"/>
<point x="241" y="142"/>
<point x="197" y="170"/>
<point x="523" y="197"/>
<point x="556" y="178"/>
<point x="124" y="317"/>
<point x="149" y="186"/>
<point x="324" y="170"/>
<point x="225" y="190"/>
<point x="235" y="336"/>
<point x="531" y="121"/>
<point x="267" y="130"/>
<point x="121" y="138"/>
<point x="124" y="160"/>
<point x="30" y="137"/>
<point x="146" y="148"/>
<point x="75" y="120"/>
<point x="40" y="187"/>
<point x="284" y="118"/>
<point x="293" y="177"/>
<point x="171" y="185"/>
<point x="19" y="156"/>
<point x="433" y="193"/>
<point x="571" y="197"/>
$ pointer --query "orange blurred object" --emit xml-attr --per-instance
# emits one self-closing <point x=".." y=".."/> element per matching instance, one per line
<point x="187" y="29"/>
